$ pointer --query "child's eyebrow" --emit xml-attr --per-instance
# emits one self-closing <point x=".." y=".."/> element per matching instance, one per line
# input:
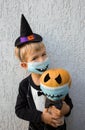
<point x="34" y="56"/>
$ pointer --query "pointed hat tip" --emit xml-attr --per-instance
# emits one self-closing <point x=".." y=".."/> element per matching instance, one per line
<point x="22" y="16"/>
<point x="26" y="31"/>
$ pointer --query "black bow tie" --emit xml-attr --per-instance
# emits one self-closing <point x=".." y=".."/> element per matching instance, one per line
<point x="40" y="93"/>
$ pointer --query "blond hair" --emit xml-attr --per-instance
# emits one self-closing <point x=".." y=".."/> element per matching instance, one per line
<point x="23" y="52"/>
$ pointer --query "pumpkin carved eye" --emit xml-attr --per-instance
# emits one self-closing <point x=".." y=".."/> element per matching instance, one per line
<point x="47" y="77"/>
<point x="58" y="79"/>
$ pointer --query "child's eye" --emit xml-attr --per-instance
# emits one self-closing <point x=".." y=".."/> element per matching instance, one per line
<point x="44" y="54"/>
<point x="34" y="58"/>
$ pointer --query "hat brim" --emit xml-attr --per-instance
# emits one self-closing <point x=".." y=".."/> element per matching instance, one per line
<point x="37" y="38"/>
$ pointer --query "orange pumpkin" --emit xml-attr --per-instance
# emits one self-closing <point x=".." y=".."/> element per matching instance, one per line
<point x="55" y="77"/>
<point x="55" y="83"/>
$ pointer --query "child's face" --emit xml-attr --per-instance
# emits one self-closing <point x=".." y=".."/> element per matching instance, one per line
<point x="36" y="58"/>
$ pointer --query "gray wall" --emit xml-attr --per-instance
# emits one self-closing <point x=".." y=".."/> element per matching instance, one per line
<point x="62" y="25"/>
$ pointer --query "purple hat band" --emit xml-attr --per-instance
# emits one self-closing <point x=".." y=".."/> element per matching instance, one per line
<point x="26" y="39"/>
<point x="23" y="39"/>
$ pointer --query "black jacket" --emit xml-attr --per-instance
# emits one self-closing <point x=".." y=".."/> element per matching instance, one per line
<point x="25" y="107"/>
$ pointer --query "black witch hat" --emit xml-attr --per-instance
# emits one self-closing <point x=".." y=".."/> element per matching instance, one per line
<point x="26" y="34"/>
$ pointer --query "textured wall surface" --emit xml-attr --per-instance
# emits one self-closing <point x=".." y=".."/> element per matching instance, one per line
<point x="62" y="25"/>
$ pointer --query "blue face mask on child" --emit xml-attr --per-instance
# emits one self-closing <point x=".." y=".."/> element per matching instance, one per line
<point x="38" y="67"/>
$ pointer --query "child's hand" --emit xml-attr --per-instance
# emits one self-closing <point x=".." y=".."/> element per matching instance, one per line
<point x="47" y="118"/>
<point x="59" y="113"/>
<point x="54" y="111"/>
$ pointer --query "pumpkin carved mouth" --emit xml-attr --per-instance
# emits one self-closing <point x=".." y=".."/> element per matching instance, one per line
<point x="42" y="70"/>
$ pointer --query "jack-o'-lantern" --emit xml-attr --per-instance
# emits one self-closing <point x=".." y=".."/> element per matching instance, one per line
<point x="55" y="83"/>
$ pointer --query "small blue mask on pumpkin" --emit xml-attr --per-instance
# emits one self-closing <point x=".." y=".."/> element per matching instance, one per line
<point x="55" y="93"/>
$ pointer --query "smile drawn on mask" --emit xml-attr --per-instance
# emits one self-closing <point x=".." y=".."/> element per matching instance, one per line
<point x="43" y="69"/>
<point x="53" y="96"/>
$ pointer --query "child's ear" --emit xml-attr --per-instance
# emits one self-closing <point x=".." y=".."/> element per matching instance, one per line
<point x="24" y="65"/>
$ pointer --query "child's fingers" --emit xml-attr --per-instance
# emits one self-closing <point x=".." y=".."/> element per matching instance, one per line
<point x="54" y="111"/>
<point x="56" y="123"/>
